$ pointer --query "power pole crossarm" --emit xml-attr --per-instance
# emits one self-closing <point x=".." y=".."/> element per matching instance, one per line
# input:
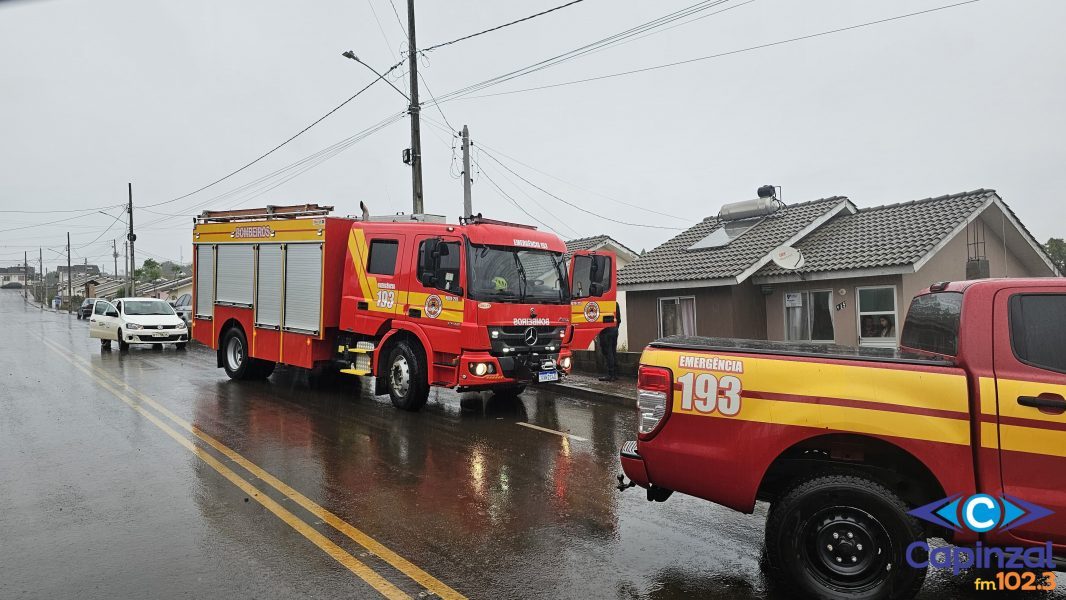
<point x="416" y="133"/>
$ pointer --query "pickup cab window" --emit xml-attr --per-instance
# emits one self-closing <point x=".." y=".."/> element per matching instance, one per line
<point x="1034" y="339"/>
<point x="933" y="323"/>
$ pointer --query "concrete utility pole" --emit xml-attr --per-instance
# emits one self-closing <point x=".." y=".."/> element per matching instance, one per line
<point x="40" y="274"/>
<point x="70" y="277"/>
<point x="416" y="133"/>
<point x="114" y="255"/>
<point x="468" y="209"/>
<point x="132" y="238"/>
<point x="25" y="274"/>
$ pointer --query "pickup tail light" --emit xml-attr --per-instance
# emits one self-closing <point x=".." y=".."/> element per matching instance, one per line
<point x="654" y="389"/>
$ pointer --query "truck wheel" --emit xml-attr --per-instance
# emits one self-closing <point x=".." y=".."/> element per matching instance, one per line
<point x="843" y="536"/>
<point x="122" y="345"/>
<point x="235" y="357"/>
<point x="407" y="377"/>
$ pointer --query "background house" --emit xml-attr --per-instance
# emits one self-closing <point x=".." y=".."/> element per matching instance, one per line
<point x="624" y="255"/>
<point x="78" y="271"/>
<point x="861" y="267"/>
<point x="15" y="276"/>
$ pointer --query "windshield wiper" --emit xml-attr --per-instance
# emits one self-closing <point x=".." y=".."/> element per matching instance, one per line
<point x="522" y="272"/>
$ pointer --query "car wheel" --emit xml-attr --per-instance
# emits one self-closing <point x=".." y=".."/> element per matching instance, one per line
<point x="406" y="377"/>
<point x="180" y="345"/>
<point x="122" y="345"/>
<point x="235" y="357"/>
<point x="842" y="537"/>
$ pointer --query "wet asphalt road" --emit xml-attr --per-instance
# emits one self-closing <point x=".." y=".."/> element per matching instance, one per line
<point x="99" y="500"/>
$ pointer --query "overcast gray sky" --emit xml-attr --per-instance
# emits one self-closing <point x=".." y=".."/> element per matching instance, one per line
<point x="173" y="95"/>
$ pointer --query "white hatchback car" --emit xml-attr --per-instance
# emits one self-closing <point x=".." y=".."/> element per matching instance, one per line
<point x="137" y="321"/>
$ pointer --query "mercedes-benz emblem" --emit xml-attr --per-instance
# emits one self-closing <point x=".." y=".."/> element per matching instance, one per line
<point x="531" y="337"/>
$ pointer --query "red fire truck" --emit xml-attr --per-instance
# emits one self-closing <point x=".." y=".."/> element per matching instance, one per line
<point x="412" y="300"/>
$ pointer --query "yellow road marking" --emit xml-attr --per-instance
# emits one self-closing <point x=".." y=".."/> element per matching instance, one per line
<point x="353" y="564"/>
<point x="398" y="562"/>
<point x="546" y="430"/>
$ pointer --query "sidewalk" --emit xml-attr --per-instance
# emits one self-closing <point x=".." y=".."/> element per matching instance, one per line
<point x="587" y="385"/>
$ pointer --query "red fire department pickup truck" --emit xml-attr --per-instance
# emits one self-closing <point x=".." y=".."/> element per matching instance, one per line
<point x="864" y="454"/>
<point x="412" y="300"/>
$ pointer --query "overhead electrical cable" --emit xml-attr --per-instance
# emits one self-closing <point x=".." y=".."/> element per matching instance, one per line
<point x="571" y="204"/>
<point x="513" y="201"/>
<point x="282" y="144"/>
<point x="498" y="27"/>
<point x="614" y="39"/>
<point x="718" y="55"/>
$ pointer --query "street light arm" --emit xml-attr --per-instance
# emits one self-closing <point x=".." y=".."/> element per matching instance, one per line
<point x="351" y="55"/>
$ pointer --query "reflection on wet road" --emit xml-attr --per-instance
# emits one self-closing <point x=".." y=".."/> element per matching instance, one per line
<point x="305" y="487"/>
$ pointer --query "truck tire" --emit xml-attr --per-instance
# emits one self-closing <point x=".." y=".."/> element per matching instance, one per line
<point x="842" y="536"/>
<point x="235" y="359"/>
<point x="407" y="377"/>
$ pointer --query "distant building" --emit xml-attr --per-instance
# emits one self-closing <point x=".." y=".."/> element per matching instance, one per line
<point x="861" y="268"/>
<point x="624" y="255"/>
<point x="79" y="271"/>
<point x="15" y="276"/>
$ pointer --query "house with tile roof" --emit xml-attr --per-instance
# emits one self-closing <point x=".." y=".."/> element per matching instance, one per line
<point x="624" y="256"/>
<point x="859" y="270"/>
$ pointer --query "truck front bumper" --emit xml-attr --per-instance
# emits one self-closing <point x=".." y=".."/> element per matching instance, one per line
<point x="509" y="370"/>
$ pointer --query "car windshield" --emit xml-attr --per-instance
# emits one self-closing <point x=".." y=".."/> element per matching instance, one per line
<point x="503" y="274"/>
<point x="146" y="307"/>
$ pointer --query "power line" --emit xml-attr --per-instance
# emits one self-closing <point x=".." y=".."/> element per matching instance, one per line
<point x="498" y="27"/>
<point x="574" y="185"/>
<point x="610" y="40"/>
<point x="513" y="201"/>
<point x="571" y="204"/>
<point x="722" y="54"/>
<point x="279" y="146"/>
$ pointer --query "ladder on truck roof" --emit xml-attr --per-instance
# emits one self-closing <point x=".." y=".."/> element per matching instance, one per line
<point x="269" y="212"/>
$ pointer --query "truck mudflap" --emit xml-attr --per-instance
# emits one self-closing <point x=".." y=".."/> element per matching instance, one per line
<point x="633" y="468"/>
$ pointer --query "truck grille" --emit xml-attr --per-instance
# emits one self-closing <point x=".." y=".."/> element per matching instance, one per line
<point x="522" y="339"/>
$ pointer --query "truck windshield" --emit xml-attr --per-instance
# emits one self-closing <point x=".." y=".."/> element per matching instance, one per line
<point x="503" y="274"/>
<point x="932" y="323"/>
<point x="147" y="307"/>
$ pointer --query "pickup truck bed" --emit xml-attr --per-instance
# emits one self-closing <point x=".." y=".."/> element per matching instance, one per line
<point x="833" y="351"/>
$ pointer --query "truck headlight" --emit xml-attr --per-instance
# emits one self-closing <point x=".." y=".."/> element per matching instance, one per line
<point x="481" y="369"/>
<point x="654" y="385"/>
<point x="133" y="326"/>
<point x="564" y="362"/>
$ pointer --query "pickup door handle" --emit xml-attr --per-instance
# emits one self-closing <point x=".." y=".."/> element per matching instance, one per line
<point x="1047" y="403"/>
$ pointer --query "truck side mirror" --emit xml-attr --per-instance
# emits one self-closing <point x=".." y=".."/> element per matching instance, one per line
<point x="595" y="289"/>
<point x="428" y="260"/>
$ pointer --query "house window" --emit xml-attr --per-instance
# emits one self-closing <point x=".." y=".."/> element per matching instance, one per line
<point x="808" y="316"/>
<point x="877" y="316"/>
<point x="677" y="316"/>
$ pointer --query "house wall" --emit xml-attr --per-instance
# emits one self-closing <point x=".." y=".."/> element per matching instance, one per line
<point x="724" y="311"/>
<point x="845" y="320"/>
<point x="949" y="264"/>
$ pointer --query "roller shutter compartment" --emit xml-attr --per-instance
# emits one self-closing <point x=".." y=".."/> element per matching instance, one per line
<point x="303" y="287"/>
<point x="268" y="286"/>
<point x="236" y="265"/>
<point x="205" y="280"/>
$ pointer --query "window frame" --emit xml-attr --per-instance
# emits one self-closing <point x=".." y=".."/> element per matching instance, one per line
<point x="677" y="299"/>
<point x="1010" y="330"/>
<point x="832" y="316"/>
<point x="370" y="255"/>
<point x="859" y="314"/>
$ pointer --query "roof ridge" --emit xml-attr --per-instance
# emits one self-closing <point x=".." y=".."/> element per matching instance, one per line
<point x="979" y="191"/>
<point x="787" y="206"/>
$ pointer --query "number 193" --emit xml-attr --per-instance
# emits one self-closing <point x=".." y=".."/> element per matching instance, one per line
<point x="707" y="394"/>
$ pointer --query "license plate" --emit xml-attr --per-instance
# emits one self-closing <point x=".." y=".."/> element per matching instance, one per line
<point x="548" y="376"/>
<point x="161" y="334"/>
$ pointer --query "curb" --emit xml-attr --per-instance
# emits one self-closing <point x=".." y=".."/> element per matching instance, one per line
<point x="591" y="394"/>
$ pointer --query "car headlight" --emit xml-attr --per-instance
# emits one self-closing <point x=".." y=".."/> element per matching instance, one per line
<point x="133" y="326"/>
<point x="180" y="325"/>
